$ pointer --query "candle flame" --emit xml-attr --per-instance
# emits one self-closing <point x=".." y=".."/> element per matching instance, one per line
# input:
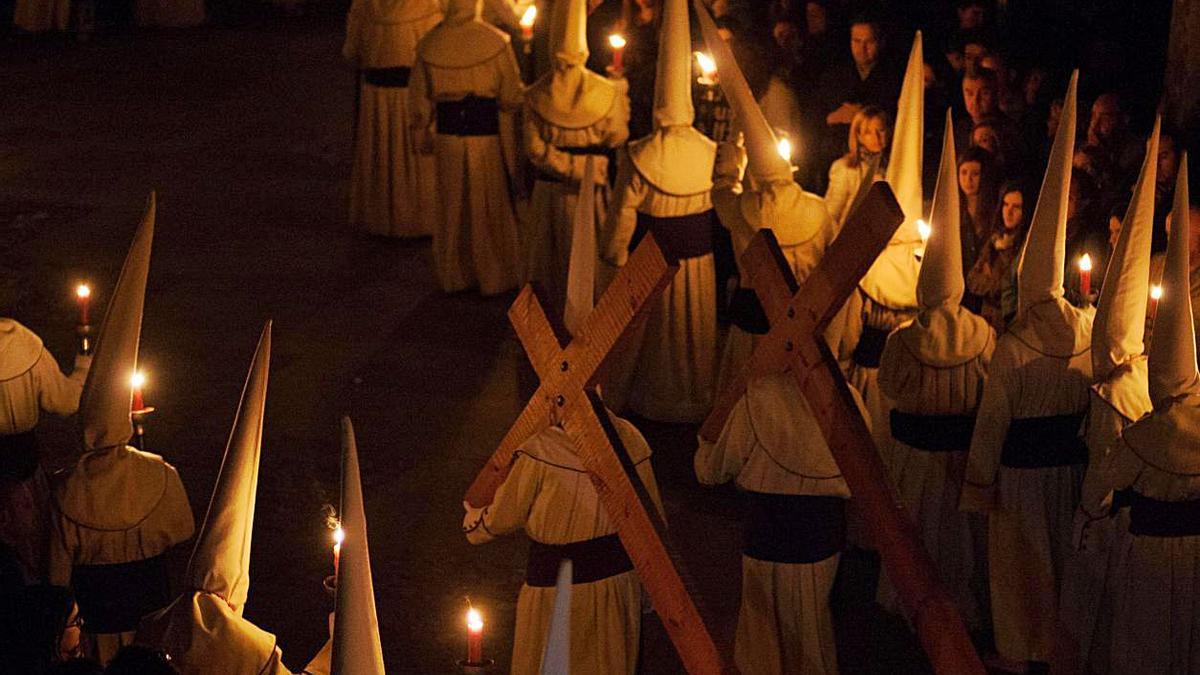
<point x="1156" y="292"/>
<point x="707" y="65"/>
<point x="1085" y="263"/>
<point x="83" y="291"/>
<point x="529" y="17"/>
<point x="616" y="41"/>
<point x="924" y="229"/>
<point x="474" y="620"/>
<point x="784" y="146"/>
<point x="339" y="535"/>
<point x="138" y="379"/>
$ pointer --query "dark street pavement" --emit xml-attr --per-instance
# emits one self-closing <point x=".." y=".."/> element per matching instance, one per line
<point x="245" y="135"/>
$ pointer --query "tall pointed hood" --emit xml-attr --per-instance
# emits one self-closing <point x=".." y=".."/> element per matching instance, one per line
<point x="356" y="646"/>
<point x="220" y="563"/>
<point x="1120" y="325"/>
<point x="107" y="394"/>
<point x="1040" y="269"/>
<point x="570" y="95"/>
<point x="941" y="277"/>
<point x="673" y="78"/>
<point x="765" y="164"/>
<point x="462" y="40"/>
<point x="1173" y="349"/>
<point x="581" y="268"/>
<point x="462" y="11"/>
<point x="568" y="32"/>
<point x="906" y="162"/>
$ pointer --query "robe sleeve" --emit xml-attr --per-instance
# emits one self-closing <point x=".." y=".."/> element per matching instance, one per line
<point x="511" y="92"/>
<point x="1118" y="469"/>
<point x="351" y="47"/>
<point x="721" y="462"/>
<point x="178" y="522"/>
<point x="837" y="194"/>
<point x="991" y="428"/>
<point x="618" y="121"/>
<point x="58" y="393"/>
<point x="510" y="506"/>
<point x="629" y="193"/>
<point x="548" y="158"/>
<point x="419" y="103"/>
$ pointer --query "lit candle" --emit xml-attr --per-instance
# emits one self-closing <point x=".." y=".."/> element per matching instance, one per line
<point x="1156" y="293"/>
<point x="784" y="147"/>
<point x="924" y="229"/>
<point x="137" y="381"/>
<point x="474" y="636"/>
<point x="617" y="42"/>
<point x="1085" y="275"/>
<point x="339" y="535"/>
<point x="83" y="293"/>
<point x="526" y="22"/>
<point x="708" y="69"/>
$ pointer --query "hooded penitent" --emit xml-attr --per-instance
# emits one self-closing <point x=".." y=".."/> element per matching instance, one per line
<point x="20" y="349"/>
<point x="356" y="646"/>
<point x="889" y="281"/>
<point x="571" y="96"/>
<point x="581" y="270"/>
<point x="676" y="158"/>
<point x="203" y="630"/>
<point x="945" y="333"/>
<point x="1119" y="328"/>
<point x="472" y="41"/>
<point x="104" y="407"/>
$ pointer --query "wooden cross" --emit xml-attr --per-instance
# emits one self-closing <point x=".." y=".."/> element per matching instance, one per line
<point x="798" y="316"/>
<point x="569" y="368"/>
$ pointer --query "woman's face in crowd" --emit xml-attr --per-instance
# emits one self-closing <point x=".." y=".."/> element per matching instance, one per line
<point x="1011" y="208"/>
<point x="872" y="135"/>
<point x="968" y="178"/>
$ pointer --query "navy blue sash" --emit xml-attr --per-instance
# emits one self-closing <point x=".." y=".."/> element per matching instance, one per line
<point x="794" y="529"/>
<point x="869" y="350"/>
<point x="1044" y="442"/>
<point x="591" y="560"/>
<point x="933" y="433"/>
<point x="113" y="598"/>
<point x="387" y="77"/>
<point x="680" y="237"/>
<point x="1149" y="517"/>
<point x="470" y="116"/>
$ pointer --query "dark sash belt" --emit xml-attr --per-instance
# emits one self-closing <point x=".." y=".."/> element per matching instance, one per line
<point x="591" y="560"/>
<point x="471" y="116"/>
<point x="794" y="529"/>
<point x="869" y="350"/>
<point x="1044" y="442"/>
<point x="387" y="77"/>
<point x="933" y="433"/>
<point x="1149" y="517"/>
<point x="680" y="237"/>
<point x="746" y="312"/>
<point x="113" y="598"/>
<point x="18" y="456"/>
<point x="1121" y="499"/>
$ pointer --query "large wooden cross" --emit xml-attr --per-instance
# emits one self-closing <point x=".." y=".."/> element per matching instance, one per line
<point x="569" y="368"/>
<point x="798" y="316"/>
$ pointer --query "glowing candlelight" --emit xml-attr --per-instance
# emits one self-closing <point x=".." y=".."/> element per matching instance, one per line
<point x="784" y="147"/>
<point x="527" y="20"/>
<point x="83" y="294"/>
<point x="1085" y="275"/>
<point x="339" y="535"/>
<point x="617" y="42"/>
<point x="137" y="381"/>
<point x="924" y="229"/>
<point x="1156" y="293"/>
<point x="708" y="69"/>
<point x="474" y="636"/>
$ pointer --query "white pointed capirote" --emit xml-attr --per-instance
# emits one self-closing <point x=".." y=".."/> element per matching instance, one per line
<point x="104" y="407"/>
<point x="568" y="32"/>
<point x="906" y="161"/>
<point x="1172" y="354"/>
<point x="1040" y="269"/>
<point x="764" y="163"/>
<point x="941" y="277"/>
<point x="570" y="95"/>
<point x="220" y="563"/>
<point x="581" y="268"/>
<point x="1119" y="329"/>
<point x="673" y="74"/>
<point x="556" y="659"/>
<point x="356" y="646"/>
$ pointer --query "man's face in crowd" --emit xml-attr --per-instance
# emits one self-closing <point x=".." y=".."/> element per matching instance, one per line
<point x="1012" y="208"/>
<point x="979" y="98"/>
<point x="864" y="45"/>
<point x="1106" y="118"/>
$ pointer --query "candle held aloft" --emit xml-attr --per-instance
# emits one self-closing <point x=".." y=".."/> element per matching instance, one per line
<point x="708" y="69"/>
<point x="617" y="42"/>
<point x="339" y="535"/>
<point x="137" y="381"/>
<point x="1085" y="275"/>
<point x="527" y="21"/>
<point x="83" y="294"/>
<point x="474" y="636"/>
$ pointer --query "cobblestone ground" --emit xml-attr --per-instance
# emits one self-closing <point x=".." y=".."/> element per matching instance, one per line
<point x="244" y="133"/>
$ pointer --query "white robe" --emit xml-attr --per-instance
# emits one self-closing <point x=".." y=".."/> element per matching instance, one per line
<point x="393" y="186"/>
<point x="1041" y="367"/>
<point x="772" y="444"/>
<point x="204" y="636"/>
<point x="476" y="243"/>
<point x="937" y="365"/>
<point x="549" y="495"/>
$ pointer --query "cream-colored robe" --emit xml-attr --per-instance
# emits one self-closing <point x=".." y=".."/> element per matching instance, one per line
<point x="547" y="235"/>
<point x="844" y="182"/>
<point x="30" y="382"/>
<point x="1156" y="617"/>
<point x="476" y="243"/>
<point x="1041" y="367"/>
<point x="937" y="365"/>
<point x="393" y="186"/>
<point x="668" y="371"/>
<point x="205" y="636"/>
<point x="771" y="444"/>
<point x="549" y="495"/>
<point x="116" y="505"/>
<point x="39" y="16"/>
